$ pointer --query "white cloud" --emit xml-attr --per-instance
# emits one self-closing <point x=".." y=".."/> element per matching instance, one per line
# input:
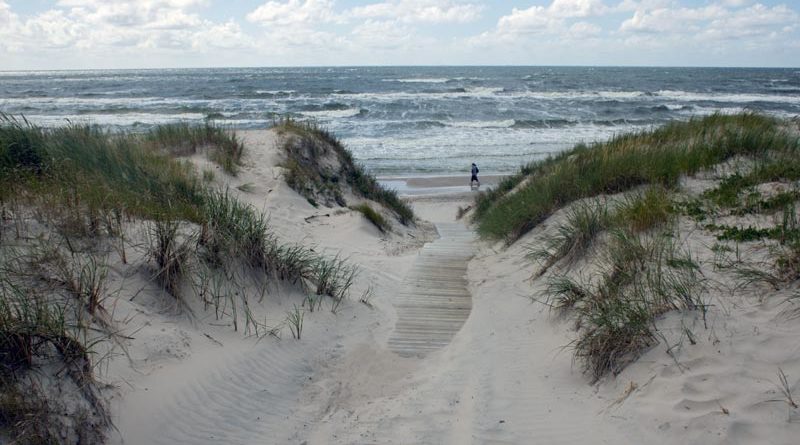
<point x="227" y="35"/>
<point x="293" y="12"/>
<point x="550" y="19"/>
<point x="96" y="24"/>
<point x="5" y="15"/>
<point x="535" y="19"/>
<point x="654" y="31"/>
<point x="395" y="31"/>
<point x="584" y="30"/>
<point x="717" y="21"/>
<point x="758" y="16"/>
<point x="430" y="11"/>
<point x="665" y="19"/>
<point x="384" y="35"/>
<point x="576" y="8"/>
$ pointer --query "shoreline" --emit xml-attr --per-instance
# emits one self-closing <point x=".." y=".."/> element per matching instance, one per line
<point x="425" y="186"/>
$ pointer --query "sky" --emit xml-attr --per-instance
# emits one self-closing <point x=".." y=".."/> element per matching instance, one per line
<point x="108" y="34"/>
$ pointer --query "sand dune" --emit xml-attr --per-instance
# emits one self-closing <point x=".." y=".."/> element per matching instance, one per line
<point x="451" y="349"/>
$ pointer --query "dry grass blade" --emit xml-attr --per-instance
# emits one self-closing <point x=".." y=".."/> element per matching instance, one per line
<point x="785" y="389"/>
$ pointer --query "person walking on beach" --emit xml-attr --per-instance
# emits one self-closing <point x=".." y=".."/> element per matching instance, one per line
<point x="474" y="175"/>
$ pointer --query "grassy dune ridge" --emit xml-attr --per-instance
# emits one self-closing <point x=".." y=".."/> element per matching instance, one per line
<point x="309" y="147"/>
<point x="659" y="156"/>
<point x="622" y="221"/>
<point x="70" y="198"/>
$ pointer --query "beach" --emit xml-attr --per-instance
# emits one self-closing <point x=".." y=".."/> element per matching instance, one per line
<point x="404" y="222"/>
<point x="500" y="371"/>
<point x="263" y="288"/>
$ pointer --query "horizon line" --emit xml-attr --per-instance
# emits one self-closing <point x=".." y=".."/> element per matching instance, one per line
<point x="397" y="66"/>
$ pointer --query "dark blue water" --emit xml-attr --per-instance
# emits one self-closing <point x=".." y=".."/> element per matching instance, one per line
<point x="401" y="120"/>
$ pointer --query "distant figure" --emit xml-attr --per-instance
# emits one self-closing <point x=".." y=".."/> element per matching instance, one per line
<point x="474" y="175"/>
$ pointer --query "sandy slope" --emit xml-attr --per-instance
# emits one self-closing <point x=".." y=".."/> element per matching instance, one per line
<point x="501" y="380"/>
<point x="499" y="371"/>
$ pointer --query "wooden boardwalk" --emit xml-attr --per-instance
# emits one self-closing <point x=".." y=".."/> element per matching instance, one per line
<point x="434" y="302"/>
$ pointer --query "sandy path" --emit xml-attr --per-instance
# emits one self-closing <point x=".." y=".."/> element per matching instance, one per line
<point x="434" y="301"/>
<point x="497" y="378"/>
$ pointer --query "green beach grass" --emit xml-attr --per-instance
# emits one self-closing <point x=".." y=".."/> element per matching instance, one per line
<point x="306" y="146"/>
<point x="643" y="270"/>
<point x="80" y="186"/>
<point x="660" y="156"/>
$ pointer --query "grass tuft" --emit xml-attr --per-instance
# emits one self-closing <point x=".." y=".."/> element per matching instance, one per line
<point x="184" y="139"/>
<point x="35" y="338"/>
<point x="373" y="216"/>
<point x="584" y="222"/>
<point x="318" y="164"/>
<point x="170" y="255"/>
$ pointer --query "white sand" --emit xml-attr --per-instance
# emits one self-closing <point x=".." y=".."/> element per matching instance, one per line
<point x="507" y="376"/>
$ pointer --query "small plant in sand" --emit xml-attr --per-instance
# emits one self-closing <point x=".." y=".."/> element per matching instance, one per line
<point x="373" y="216"/>
<point x="171" y="255"/>
<point x="295" y="320"/>
<point x="786" y="390"/>
<point x="333" y="277"/>
<point x="366" y="296"/>
<point x="88" y="283"/>
<point x="462" y="210"/>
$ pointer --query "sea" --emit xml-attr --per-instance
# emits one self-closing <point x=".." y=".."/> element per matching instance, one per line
<point x="401" y="121"/>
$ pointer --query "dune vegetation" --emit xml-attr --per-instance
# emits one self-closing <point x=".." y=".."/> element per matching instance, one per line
<point x="320" y="167"/>
<point x="624" y="220"/>
<point x="72" y="196"/>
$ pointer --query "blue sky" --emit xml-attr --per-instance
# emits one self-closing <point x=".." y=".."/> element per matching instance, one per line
<point x="82" y="34"/>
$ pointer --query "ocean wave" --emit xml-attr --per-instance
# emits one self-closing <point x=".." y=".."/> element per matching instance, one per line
<point x="334" y="114"/>
<point x="420" y="80"/>
<point x="726" y="97"/>
<point x="482" y="124"/>
<point x="455" y="93"/>
<point x="543" y="123"/>
<point x="327" y="106"/>
<point x="418" y="125"/>
<point x="275" y="92"/>
<point x="620" y="96"/>
<point x="462" y="155"/>
<point x="785" y="89"/>
<point x="114" y="120"/>
<point x="485" y="90"/>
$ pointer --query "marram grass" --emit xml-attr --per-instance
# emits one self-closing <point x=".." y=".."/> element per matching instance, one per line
<point x="304" y="148"/>
<point x="659" y="156"/>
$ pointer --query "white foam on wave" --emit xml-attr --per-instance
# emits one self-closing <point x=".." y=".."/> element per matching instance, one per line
<point x="122" y="119"/>
<point x="489" y="92"/>
<point x="419" y="80"/>
<point x="276" y="92"/>
<point x="241" y="123"/>
<point x="400" y="95"/>
<point x="482" y="124"/>
<point x="726" y="97"/>
<point x="430" y="147"/>
<point x="484" y="90"/>
<point x="332" y="114"/>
